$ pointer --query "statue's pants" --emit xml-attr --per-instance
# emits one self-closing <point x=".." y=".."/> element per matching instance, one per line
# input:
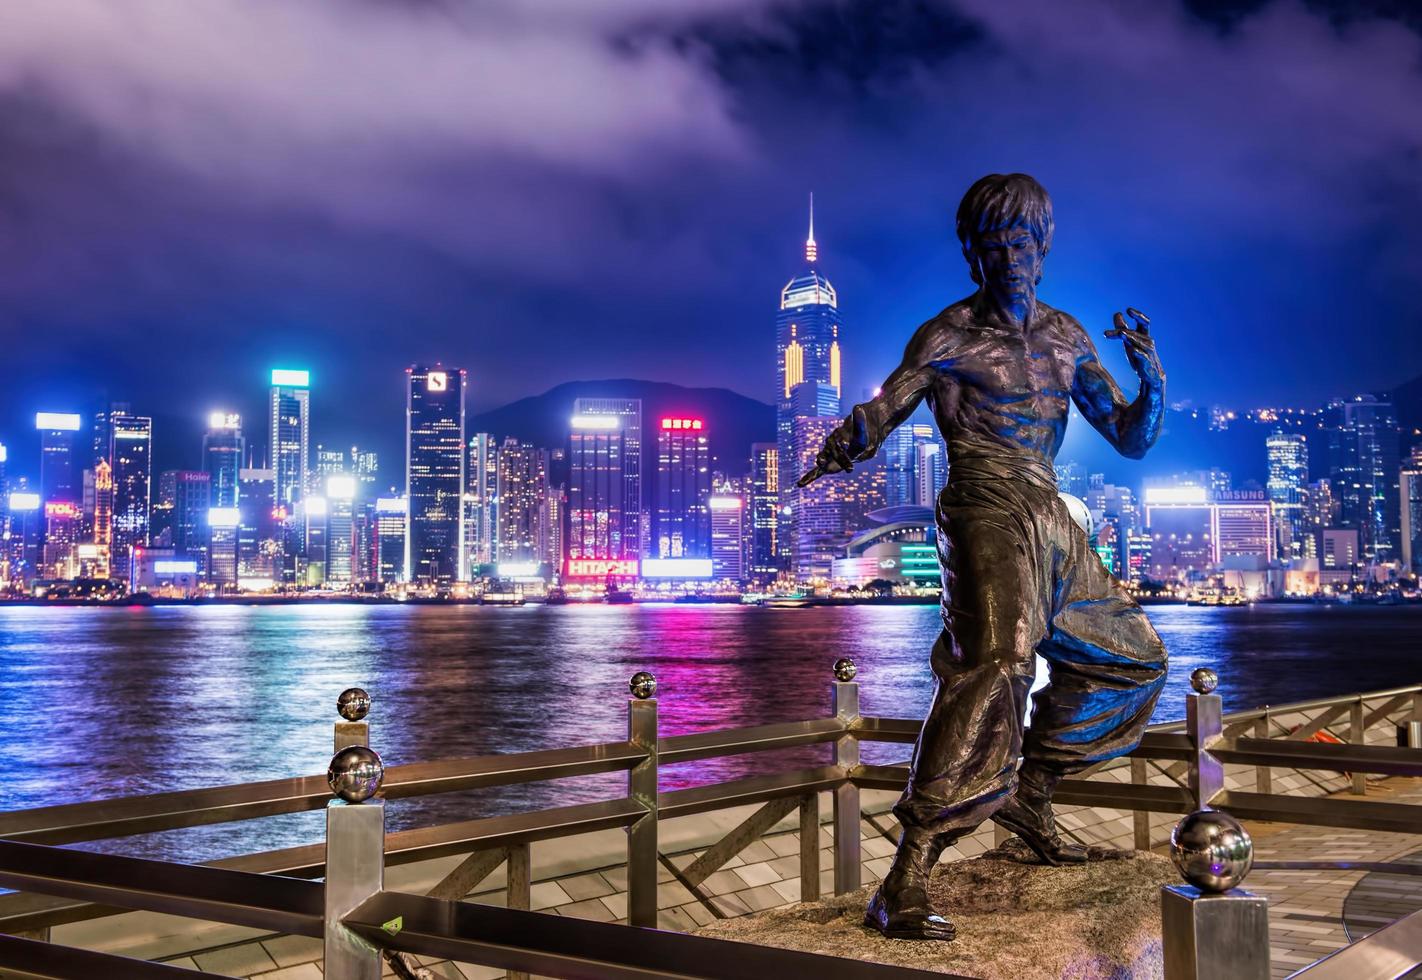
<point x="1020" y="578"/>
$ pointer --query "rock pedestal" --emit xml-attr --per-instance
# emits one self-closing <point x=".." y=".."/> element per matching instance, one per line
<point x="1015" y="922"/>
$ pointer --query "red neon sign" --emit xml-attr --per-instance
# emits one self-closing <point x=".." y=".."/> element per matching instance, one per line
<point x="59" y="508"/>
<point x="681" y="423"/>
<point x="600" y="567"/>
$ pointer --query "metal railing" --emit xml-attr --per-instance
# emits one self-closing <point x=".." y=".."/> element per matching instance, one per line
<point x="265" y="890"/>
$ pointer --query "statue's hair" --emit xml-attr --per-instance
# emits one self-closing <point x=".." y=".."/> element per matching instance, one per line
<point x="1001" y="201"/>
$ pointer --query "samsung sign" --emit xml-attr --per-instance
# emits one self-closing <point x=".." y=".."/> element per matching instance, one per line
<point x="677" y="568"/>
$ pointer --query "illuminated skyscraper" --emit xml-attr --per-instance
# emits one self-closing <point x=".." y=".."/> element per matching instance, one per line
<point x="1410" y="494"/>
<point x="58" y="476"/>
<point x="288" y="454"/>
<point x="930" y="465"/>
<point x="481" y="501"/>
<point x="764" y="508"/>
<point x="681" y="520"/>
<point x="728" y="532"/>
<point x="1288" y="482"/>
<point x="289" y="444"/>
<point x="131" y="455"/>
<point x="1363" y="448"/>
<point x="435" y="457"/>
<point x="390" y="540"/>
<point x="605" y="479"/>
<point x="103" y="513"/>
<point x="340" y="528"/>
<point x="523" y="503"/>
<point x="63" y="529"/>
<point x="258" y="536"/>
<point x="817" y="511"/>
<point x="223" y="449"/>
<point x="192" y="499"/>
<point x="807" y="353"/>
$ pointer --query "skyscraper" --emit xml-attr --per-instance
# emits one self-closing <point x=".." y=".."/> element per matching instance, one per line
<point x="764" y="508"/>
<point x="605" y="479"/>
<point x="435" y="456"/>
<point x="340" y="528"/>
<point x="289" y="442"/>
<point x="816" y="511"/>
<point x="1363" y="447"/>
<point x="390" y="540"/>
<point x="131" y="455"/>
<point x="481" y="500"/>
<point x="728" y="533"/>
<point x="258" y="540"/>
<point x="288" y="453"/>
<point x="104" y="513"/>
<point x="1410" y="496"/>
<point x="681" y="520"/>
<point x="58" y="476"/>
<point x="807" y="353"/>
<point x="223" y="449"/>
<point x="1288" y="480"/>
<point x="192" y="499"/>
<point x="523" y="503"/>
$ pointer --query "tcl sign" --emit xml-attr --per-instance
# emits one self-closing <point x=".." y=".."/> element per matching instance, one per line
<point x="600" y="567"/>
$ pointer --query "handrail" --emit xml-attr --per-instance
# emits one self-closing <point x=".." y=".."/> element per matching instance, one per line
<point x="739" y="741"/>
<point x="32" y="958"/>
<point x="287" y="905"/>
<point x="104" y="819"/>
<point x="1392" y="951"/>
<point x="565" y="946"/>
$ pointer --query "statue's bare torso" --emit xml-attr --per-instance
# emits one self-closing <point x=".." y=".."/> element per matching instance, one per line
<point x="996" y="383"/>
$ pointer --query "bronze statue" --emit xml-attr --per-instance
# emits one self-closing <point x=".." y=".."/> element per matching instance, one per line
<point x="1000" y="371"/>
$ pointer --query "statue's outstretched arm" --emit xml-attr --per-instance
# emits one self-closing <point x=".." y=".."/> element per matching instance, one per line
<point x="1132" y="427"/>
<point x="859" y="436"/>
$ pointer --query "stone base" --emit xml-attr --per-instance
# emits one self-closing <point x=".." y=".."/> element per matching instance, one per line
<point x="1015" y="922"/>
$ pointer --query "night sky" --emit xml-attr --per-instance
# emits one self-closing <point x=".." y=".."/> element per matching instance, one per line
<point x="549" y="190"/>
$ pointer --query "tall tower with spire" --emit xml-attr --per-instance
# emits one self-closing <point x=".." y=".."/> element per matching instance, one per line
<point x="807" y="359"/>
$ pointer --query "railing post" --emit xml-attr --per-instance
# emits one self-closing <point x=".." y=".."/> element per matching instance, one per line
<point x="1211" y="929"/>
<point x="518" y="891"/>
<point x="1263" y="775"/>
<point x="1358" y="735"/>
<point x="1414" y="724"/>
<point x="1205" y="725"/>
<point x="352" y="705"/>
<point x="845" y="695"/>
<point x="1140" y="819"/>
<point x="642" y="789"/>
<point x="355" y="860"/>
<point x="810" y="847"/>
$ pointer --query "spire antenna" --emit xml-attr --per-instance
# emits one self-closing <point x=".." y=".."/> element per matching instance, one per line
<point x="812" y="250"/>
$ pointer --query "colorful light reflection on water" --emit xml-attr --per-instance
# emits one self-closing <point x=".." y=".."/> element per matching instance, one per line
<point x="113" y="702"/>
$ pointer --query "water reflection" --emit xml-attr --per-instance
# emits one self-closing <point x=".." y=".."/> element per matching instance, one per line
<point x="109" y="702"/>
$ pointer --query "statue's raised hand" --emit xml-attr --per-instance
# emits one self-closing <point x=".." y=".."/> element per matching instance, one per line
<point x="1140" y="346"/>
<point x="835" y="457"/>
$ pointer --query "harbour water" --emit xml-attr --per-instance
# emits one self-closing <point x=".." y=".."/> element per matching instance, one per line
<point x="105" y="702"/>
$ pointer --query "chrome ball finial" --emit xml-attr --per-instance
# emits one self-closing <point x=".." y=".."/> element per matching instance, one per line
<point x="353" y="704"/>
<point x="1211" y="850"/>
<point x="356" y="774"/>
<point x="844" y="670"/>
<point x="643" y="685"/>
<point x="1204" y="680"/>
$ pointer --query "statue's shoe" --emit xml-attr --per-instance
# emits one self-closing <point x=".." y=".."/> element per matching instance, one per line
<point x="1039" y="833"/>
<point x="911" y="920"/>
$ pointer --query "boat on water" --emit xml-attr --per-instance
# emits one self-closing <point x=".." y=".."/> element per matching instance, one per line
<point x="786" y="601"/>
<point x="617" y="597"/>
<point x="502" y="599"/>
<point x="556" y="597"/>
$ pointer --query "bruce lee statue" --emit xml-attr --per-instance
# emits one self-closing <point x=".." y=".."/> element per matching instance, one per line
<point x="1000" y="371"/>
